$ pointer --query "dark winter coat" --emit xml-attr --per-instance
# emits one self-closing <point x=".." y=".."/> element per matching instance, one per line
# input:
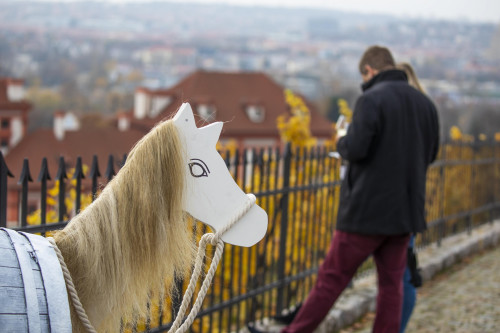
<point x="393" y="137"/>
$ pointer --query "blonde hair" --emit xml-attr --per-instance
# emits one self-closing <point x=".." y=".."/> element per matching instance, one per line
<point x="134" y="237"/>
<point x="410" y="73"/>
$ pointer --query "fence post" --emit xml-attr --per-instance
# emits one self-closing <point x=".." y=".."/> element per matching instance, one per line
<point x="23" y="180"/>
<point x="78" y="175"/>
<point x="287" y="158"/>
<point x="442" y="177"/>
<point x="61" y="176"/>
<point x="4" y="173"/>
<point x="94" y="174"/>
<point x="472" y="192"/>
<point x="42" y="178"/>
<point x="110" y="170"/>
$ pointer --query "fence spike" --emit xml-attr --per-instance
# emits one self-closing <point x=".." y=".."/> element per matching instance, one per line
<point x="260" y="164"/>
<point x="23" y="180"/>
<point x="110" y="170"/>
<point x="277" y="158"/>
<point x="244" y="159"/>
<point x="94" y="174"/>
<point x="61" y="176"/>
<point x="61" y="172"/>
<point x="78" y="174"/>
<point x="254" y="157"/>
<point x="25" y="173"/>
<point x="260" y="157"/>
<point x="42" y="178"/>
<point x="244" y="162"/>
<point x="4" y="167"/>
<point x="227" y="159"/>
<point x="312" y="153"/>
<point x="44" y="171"/>
<point x="94" y="170"/>
<point x="123" y="161"/>
<point x="324" y="152"/>
<point x="236" y="163"/>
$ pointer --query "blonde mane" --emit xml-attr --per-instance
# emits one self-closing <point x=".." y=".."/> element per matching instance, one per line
<point x="134" y="236"/>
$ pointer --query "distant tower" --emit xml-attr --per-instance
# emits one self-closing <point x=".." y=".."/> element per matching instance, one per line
<point x="13" y="113"/>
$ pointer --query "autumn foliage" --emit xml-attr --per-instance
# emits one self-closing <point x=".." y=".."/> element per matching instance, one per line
<point x="295" y="127"/>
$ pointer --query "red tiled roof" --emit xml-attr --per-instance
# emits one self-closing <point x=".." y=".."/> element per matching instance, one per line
<point x="229" y="93"/>
<point x="15" y="106"/>
<point x="84" y="143"/>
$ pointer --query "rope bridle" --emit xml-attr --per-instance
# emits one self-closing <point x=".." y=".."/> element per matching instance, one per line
<point x="210" y="238"/>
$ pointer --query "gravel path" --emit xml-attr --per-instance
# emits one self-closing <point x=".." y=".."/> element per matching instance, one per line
<point x="463" y="299"/>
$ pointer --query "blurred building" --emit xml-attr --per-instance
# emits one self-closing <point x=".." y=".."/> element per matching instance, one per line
<point x="247" y="102"/>
<point x="13" y="113"/>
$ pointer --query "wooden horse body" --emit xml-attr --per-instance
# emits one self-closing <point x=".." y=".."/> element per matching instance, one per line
<point x="32" y="282"/>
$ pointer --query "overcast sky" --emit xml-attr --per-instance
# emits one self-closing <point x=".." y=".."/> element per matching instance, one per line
<point x="472" y="10"/>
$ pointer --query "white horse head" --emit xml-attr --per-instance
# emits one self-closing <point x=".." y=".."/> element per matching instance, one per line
<point x="212" y="196"/>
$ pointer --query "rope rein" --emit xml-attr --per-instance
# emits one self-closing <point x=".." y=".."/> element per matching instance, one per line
<point x="80" y="311"/>
<point x="210" y="238"/>
<point x="215" y="240"/>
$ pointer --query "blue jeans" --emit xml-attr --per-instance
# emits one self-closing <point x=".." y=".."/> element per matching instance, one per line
<point x="409" y="294"/>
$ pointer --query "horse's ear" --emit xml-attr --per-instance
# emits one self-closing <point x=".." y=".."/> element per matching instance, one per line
<point x="184" y="117"/>
<point x="211" y="133"/>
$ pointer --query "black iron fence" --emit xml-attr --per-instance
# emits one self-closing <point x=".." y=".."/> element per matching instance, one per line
<point x="299" y="189"/>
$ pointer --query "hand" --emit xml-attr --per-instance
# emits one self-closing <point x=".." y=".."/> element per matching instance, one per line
<point x="341" y="132"/>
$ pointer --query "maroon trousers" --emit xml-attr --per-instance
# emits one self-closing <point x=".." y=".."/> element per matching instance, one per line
<point x="347" y="252"/>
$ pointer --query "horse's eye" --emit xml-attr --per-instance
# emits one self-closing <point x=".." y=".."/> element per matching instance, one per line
<point x="198" y="168"/>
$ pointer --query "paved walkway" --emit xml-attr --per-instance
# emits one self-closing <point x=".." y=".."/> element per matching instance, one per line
<point x="465" y="298"/>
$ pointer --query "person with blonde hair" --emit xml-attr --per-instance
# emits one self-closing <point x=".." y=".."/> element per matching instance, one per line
<point x="412" y="77"/>
<point x="411" y="277"/>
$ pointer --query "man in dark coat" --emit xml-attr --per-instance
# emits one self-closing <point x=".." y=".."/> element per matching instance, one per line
<point x="393" y="137"/>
